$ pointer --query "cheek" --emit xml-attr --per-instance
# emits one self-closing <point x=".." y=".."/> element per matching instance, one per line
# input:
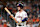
<point x="18" y="8"/>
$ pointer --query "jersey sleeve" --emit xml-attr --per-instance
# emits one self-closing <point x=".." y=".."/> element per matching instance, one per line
<point x="25" y="15"/>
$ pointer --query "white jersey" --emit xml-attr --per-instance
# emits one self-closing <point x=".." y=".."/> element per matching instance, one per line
<point x="20" y="16"/>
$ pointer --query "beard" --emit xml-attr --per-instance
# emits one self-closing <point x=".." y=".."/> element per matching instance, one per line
<point x="19" y="10"/>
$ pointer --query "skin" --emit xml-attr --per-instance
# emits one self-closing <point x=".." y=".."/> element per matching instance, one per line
<point x="19" y="9"/>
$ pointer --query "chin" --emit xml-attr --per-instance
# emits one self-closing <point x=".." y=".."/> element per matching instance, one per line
<point x="19" y="10"/>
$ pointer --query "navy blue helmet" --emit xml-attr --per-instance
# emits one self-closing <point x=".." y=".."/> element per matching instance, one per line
<point x="20" y="5"/>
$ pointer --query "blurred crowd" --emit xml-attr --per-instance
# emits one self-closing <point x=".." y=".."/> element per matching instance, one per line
<point x="3" y="22"/>
<point x="31" y="7"/>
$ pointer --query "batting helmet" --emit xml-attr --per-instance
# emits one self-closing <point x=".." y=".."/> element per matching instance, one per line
<point x="20" y="5"/>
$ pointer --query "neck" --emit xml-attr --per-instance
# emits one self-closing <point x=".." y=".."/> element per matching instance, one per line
<point x="21" y="10"/>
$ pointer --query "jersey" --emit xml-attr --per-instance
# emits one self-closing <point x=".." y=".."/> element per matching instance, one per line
<point x="20" y="16"/>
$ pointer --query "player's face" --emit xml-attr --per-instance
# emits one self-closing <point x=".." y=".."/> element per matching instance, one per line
<point x="18" y="8"/>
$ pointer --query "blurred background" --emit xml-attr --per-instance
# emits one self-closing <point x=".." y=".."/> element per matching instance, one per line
<point x="32" y="7"/>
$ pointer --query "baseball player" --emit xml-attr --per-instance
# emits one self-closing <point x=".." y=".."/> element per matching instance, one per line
<point x="21" y="16"/>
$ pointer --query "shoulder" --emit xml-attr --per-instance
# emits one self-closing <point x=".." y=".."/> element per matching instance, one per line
<point x="17" y="12"/>
<point x="24" y="12"/>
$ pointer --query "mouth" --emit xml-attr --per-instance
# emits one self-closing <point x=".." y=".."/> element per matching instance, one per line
<point x="19" y="10"/>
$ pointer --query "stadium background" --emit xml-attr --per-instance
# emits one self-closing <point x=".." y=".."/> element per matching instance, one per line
<point x="32" y="7"/>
